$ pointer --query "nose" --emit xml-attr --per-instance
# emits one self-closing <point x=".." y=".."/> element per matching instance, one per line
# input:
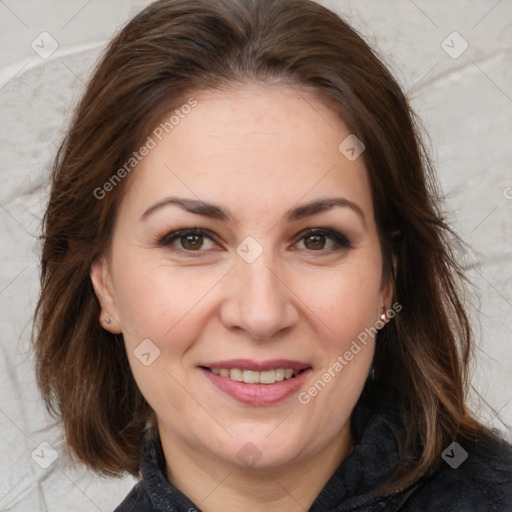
<point x="260" y="303"/>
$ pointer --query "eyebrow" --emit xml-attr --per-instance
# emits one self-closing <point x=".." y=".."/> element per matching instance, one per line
<point x="213" y="211"/>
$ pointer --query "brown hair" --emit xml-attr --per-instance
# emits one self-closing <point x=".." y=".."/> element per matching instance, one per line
<point x="170" y="50"/>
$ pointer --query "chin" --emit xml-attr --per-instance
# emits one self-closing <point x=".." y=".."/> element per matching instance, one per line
<point x="261" y="452"/>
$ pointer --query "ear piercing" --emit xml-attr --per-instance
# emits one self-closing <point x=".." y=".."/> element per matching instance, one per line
<point x="108" y="320"/>
<point x="383" y="315"/>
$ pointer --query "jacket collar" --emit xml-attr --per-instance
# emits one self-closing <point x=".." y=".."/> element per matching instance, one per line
<point x="354" y="483"/>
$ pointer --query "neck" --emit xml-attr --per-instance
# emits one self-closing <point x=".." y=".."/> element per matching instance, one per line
<point x="215" y="485"/>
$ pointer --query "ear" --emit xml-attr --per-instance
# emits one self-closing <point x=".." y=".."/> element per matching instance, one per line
<point x="387" y="291"/>
<point x="104" y="289"/>
<point x="386" y="295"/>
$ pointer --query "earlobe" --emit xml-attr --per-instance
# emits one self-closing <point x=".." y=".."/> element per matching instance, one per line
<point x="104" y="290"/>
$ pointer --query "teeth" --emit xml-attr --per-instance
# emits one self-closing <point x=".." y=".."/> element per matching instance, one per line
<point x="251" y="377"/>
<point x="255" y="377"/>
<point x="236" y="374"/>
<point x="279" y="375"/>
<point x="268" y="377"/>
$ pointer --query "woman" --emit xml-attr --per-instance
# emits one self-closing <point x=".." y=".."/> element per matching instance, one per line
<point x="248" y="297"/>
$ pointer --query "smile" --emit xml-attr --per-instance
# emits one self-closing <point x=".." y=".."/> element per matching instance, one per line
<point x="255" y="376"/>
<point x="257" y="383"/>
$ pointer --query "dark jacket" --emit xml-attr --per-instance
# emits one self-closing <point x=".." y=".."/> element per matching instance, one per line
<point x="481" y="483"/>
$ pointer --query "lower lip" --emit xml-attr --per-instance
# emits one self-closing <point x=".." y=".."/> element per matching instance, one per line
<point x="258" y="394"/>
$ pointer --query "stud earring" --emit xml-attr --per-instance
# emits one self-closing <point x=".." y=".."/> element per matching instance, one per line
<point x="383" y="315"/>
<point x="108" y="320"/>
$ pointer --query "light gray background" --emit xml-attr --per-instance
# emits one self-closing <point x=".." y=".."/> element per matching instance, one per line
<point x="466" y="106"/>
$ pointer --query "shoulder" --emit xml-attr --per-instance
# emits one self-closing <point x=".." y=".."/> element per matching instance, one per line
<point x="474" y="476"/>
<point x="136" y="501"/>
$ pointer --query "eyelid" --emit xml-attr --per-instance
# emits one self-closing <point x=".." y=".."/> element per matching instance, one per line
<point x="166" y="240"/>
<point x="341" y="241"/>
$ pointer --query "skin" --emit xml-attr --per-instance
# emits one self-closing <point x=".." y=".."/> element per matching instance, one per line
<point x="257" y="151"/>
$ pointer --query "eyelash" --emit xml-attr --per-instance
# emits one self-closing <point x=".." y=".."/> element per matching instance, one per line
<point x="340" y="241"/>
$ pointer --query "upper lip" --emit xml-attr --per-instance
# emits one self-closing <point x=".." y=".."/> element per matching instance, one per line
<point x="261" y="366"/>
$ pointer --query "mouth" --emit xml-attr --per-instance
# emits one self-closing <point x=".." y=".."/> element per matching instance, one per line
<point x="257" y="383"/>
<point x="256" y="377"/>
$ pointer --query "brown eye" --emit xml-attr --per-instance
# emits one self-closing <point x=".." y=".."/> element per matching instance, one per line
<point x="192" y="242"/>
<point x="314" y="242"/>
<point x="323" y="240"/>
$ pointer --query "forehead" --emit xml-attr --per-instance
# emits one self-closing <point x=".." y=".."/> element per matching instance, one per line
<point x="268" y="144"/>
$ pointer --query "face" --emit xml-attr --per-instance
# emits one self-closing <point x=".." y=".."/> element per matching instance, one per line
<point x="245" y="249"/>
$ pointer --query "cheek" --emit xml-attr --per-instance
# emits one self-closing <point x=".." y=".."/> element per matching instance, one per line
<point x="158" y="307"/>
<point x="157" y="301"/>
<point x="346" y="300"/>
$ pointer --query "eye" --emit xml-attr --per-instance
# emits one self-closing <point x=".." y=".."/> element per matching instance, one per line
<point x="191" y="240"/>
<point x="323" y="240"/>
<point x="199" y="240"/>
